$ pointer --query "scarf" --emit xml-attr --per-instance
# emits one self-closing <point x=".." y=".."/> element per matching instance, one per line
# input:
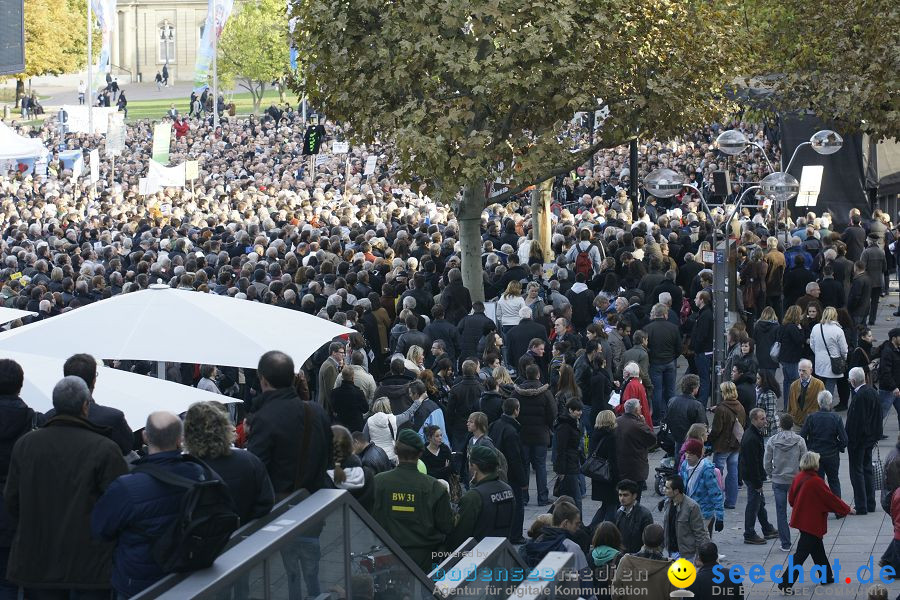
<point x="602" y="555"/>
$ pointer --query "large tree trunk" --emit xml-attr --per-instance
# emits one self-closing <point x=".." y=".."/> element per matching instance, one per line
<point x="540" y="216"/>
<point x="469" y="217"/>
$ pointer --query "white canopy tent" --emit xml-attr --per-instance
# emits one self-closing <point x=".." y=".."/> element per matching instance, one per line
<point x="11" y="314"/>
<point x="14" y="146"/>
<point x="135" y="395"/>
<point x="165" y="324"/>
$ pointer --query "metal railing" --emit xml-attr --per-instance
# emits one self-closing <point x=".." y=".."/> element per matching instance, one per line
<point x="322" y="546"/>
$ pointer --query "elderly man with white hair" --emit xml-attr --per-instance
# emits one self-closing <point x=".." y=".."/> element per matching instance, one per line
<point x="804" y="392"/>
<point x="634" y="438"/>
<point x="864" y="428"/>
<point x="824" y="433"/>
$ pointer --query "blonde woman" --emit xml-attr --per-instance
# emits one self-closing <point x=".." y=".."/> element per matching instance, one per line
<point x="382" y="426"/>
<point x="511" y="301"/>
<point x="415" y="359"/>
<point x="603" y="445"/>
<point x="729" y="420"/>
<point x="827" y="341"/>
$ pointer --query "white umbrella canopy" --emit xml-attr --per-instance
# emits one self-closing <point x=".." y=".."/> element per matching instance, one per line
<point x="165" y="324"/>
<point x="11" y="314"/>
<point x="135" y="395"/>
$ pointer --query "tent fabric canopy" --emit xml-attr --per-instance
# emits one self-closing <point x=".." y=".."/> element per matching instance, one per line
<point x="135" y="395"/>
<point x="165" y="324"/>
<point x="14" y="146"/>
<point x="11" y="314"/>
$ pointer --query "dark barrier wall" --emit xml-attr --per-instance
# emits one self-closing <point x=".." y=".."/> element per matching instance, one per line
<point x="843" y="180"/>
<point x="12" y="37"/>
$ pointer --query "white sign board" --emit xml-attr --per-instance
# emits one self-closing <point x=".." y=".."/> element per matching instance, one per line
<point x="340" y="147"/>
<point x="810" y="185"/>
<point x="77" y="166"/>
<point x="370" y="165"/>
<point x="321" y="159"/>
<point x="191" y="169"/>
<point x="709" y="256"/>
<point x="95" y="166"/>
<point x="115" y="134"/>
<point x="146" y="187"/>
<point x="161" y="176"/>
<point x="78" y="118"/>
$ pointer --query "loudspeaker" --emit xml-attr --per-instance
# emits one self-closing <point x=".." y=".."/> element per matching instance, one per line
<point x="721" y="183"/>
<point x="12" y="37"/>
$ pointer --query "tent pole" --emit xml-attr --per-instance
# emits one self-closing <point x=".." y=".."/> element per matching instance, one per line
<point x="161" y="370"/>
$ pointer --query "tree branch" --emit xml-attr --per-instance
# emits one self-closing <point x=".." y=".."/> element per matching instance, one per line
<point x="582" y="157"/>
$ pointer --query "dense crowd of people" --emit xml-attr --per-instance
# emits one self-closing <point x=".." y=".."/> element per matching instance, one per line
<point x="439" y="412"/>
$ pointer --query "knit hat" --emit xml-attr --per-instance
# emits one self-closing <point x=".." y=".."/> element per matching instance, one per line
<point x="410" y="438"/>
<point x="895" y="332"/>
<point x="694" y="447"/>
<point x="484" y="457"/>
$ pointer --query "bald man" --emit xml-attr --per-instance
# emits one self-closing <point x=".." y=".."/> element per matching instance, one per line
<point x="137" y="508"/>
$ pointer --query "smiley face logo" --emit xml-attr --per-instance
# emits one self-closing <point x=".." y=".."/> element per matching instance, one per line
<point x="682" y="573"/>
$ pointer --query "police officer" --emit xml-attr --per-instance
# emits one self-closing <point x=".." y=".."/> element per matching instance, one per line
<point x="414" y="508"/>
<point x="487" y="509"/>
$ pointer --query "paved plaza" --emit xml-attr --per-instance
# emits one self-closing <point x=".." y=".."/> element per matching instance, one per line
<point x="852" y="540"/>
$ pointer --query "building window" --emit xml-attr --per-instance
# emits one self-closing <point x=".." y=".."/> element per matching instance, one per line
<point x="166" y="42"/>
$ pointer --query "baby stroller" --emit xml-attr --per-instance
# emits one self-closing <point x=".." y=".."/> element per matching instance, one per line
<point x="665" y="470"/>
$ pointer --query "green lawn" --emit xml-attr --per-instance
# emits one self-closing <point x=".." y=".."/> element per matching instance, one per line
<point x="155" y="109"/>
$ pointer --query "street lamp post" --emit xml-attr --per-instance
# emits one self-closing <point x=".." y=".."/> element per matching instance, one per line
<point x="665" y="183"/>
<point x="780" y="186"/>
<point x="166" y="36"/>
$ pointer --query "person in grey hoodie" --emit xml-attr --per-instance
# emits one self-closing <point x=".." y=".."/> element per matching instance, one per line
<point x="782" y="462"/>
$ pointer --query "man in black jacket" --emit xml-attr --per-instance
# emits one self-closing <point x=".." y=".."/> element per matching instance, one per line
<point x="860" y="296"/>
<point x="292" y="438"/>
<point x="684" y="410"/>
<point x="702" y="342"/>
<point x="456" y="299"/>
<point x="505" y="435"/>
<point x="413" y="337"/>
<point x="753" y="474"/>
<point x="705" y="586"/>
<point x="463" y="400"/>
<point x="864" y="427"/>
<point x="663" y="348"/>
<point x="441" y="329"/>
<point x="631" y="517"/>
<point x="16" y="419"/>
<point x="471" y="329"/>
<point x="855" y="238"/>
<point x="745" y="384"/>
<point x="538" y="413"/>
<point x="370" y="455"/>
<point x="85" y="366"/>
<point x="889" y="374"/>
<point x="519" y="337"/>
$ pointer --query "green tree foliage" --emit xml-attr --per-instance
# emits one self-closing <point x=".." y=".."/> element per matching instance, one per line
<point x="475" y="90"/>
<point x="253" y="49"/>
<point x="840" y="59"/>
<point x="55" y="37"/>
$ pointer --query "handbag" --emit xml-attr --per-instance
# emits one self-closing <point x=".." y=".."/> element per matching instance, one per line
<point x="597" y="469"/>
<point x="775" y="351"/>
<point x="838" y="363"/>
<point x="878" y="470"/>
<point x="737" y="430"/>
<point x="558" y="487"/>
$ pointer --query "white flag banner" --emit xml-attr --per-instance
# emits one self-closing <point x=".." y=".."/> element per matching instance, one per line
<point x="78" y="118"/>
<point x="161" y="176"/>
<point x="340" y="147"/>
<point x="370" y="165"/>
<point x="146" y="187"/>
<point x="95" y="166"/>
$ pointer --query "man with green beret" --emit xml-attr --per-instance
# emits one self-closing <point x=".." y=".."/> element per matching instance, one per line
<point x="487" y="509"/>
<point x="413" y="508"/>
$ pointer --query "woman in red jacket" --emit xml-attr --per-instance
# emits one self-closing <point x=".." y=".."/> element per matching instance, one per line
<point x="812" y="501"/>
<point x="634" y="389"/>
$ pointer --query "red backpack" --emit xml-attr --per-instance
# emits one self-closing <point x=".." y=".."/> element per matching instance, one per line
<point x="583" y="262"/>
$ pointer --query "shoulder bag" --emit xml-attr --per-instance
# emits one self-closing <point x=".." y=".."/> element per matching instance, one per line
<point x="838" y="363"/>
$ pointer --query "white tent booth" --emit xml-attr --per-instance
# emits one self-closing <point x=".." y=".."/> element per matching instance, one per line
<point x="135" y="395"/>
<point x="14" y="146"/>
<point x="11" y="314"/>
<point x="165" y="324"/>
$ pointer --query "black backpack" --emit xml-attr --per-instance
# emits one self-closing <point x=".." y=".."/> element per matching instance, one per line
<point x="205" y="521"/>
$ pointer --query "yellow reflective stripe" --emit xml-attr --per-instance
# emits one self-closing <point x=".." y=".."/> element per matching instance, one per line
<point x="403" y="508"/>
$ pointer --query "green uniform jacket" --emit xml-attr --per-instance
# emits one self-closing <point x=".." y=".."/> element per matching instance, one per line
<point x="469" y="511"/>
<point x="415" y="510"/>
